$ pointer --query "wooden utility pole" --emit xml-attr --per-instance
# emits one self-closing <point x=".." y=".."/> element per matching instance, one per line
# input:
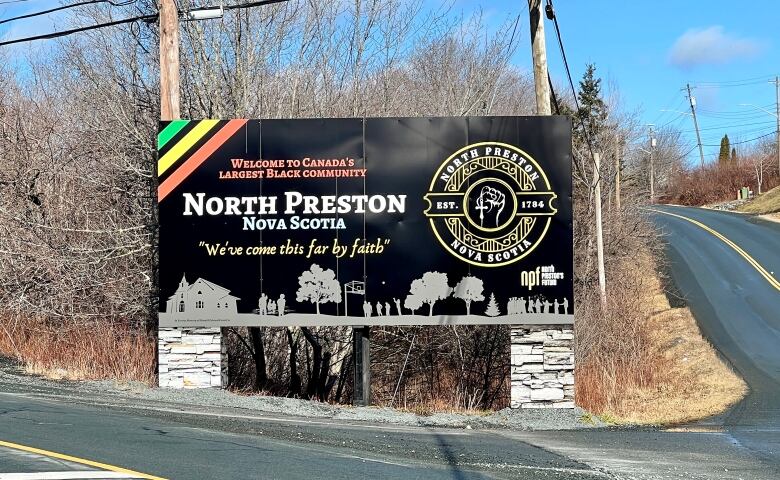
<point x="618" y="154"/>
<point x="777" y="118"/>
<point x="539" y="51"/>
<point x="692" y="101"/>
<point x="169" y="61"/>
<point x="652" y="166"/>
<point x="599" y="231"/>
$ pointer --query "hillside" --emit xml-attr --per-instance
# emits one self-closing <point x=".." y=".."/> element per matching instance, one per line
<point x="768" y="202"/>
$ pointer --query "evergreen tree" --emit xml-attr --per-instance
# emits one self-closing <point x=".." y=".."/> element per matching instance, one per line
<point x="492" y="308"/>
<point x="593" y="113"/>
<point x="725" y="148"/>
<point x="733" y="156"/>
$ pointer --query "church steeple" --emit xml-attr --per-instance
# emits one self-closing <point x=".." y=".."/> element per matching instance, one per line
<point x="183" y="283"/>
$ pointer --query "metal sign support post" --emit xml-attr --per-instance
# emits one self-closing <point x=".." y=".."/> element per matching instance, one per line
<point x="361" y="395"/>
<point x="361" y="347"/>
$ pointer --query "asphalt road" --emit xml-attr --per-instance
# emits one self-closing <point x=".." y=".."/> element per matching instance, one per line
<point x="187" y="442"/>
<point x="213" y="446"/>
<point x="83" y="435"/>
<point x="737" y="307"/>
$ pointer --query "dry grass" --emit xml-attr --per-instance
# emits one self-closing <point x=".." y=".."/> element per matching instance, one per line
<point x="716" y="183"/>
<point x="768" y="202"/>
<point x="690" y="380"/>
<point x="93" y="351"/>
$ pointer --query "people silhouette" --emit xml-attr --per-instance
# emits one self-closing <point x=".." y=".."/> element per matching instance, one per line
<point x="565" y="306"/>
<point x="398" y="306"/>
<point x="271" y="307"/>
<point x="538" y="306"/>
<point x="262" y="304"/>
<point x="555" y="306"/>
<point x="378" y="309"/>
<point x="281" y="303"/>
<point x="521" y="300"/>
<point x="547" y="306"/>
<point x="366" y="309"/>
<point x="387" y="308"/>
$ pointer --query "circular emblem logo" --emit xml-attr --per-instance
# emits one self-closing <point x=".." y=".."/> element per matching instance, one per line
<point x="490" y="204"/>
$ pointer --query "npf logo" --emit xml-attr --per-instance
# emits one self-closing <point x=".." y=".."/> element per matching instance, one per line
<point x="490" y="204"/>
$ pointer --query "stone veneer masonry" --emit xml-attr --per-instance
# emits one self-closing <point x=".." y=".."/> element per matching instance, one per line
<point x="542" y="363"/>
<point x="542" y="367"/>
<point x="190" y="357"/>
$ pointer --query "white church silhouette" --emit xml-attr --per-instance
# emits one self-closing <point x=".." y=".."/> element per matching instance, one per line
<point x="201" y="299"/>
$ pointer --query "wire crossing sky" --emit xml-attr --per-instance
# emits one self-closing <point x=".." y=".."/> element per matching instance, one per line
<point x="648" y="49"/>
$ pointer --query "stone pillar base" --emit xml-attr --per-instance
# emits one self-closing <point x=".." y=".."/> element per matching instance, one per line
<point x="542" y="367"/>
<point x="190" y="357"/>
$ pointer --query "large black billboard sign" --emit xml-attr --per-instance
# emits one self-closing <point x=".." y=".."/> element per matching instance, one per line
<point x="378" y="221"/>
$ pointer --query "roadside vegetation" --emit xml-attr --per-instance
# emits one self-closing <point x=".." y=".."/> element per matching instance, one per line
<point x="79" y="351"/>
<point x="77" y="199"/>
<point x="682" y="378"/>
<point x="756" y="168"/>
<point x="765" y="204"/>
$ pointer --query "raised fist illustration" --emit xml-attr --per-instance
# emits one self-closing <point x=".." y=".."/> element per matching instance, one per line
<point x="490" y="201"/>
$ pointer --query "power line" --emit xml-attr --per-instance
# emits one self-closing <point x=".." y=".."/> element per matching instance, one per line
<point x="743" y="141"/>
<point x="63" y="33"/>
<point x="669" y="109"/>
<point x="64" y="7"/>
<point x="676" y="119"/>
<point x="249" y="5"/>
<point x="735" y="83"/>
<point x="719" y="127"/>
<point x="551" y="14"/>
<point x="140" y="18"/>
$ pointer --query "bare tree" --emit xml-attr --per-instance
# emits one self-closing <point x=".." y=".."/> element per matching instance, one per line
<point x="759" y="163"/>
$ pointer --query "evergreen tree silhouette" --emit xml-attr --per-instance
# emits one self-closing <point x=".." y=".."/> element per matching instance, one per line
<point x="492" y="308"/>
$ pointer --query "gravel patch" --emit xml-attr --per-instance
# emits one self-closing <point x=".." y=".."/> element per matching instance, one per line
<point x="729" y="206"/>
<point x="135" y="393"/>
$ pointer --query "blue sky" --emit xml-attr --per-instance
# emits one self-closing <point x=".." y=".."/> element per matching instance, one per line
<point x="649" y="48"/>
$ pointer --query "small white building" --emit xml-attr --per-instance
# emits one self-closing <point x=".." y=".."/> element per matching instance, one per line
<point x="201" y="299"/>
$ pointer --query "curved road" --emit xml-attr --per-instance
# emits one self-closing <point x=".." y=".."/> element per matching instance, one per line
<point x="726" y="266"/>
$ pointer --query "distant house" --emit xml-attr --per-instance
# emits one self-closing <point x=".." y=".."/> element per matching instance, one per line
<point x="201" y="299"/>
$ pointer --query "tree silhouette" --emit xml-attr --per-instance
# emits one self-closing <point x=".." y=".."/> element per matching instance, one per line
<point x="318" y="286"/>
<point x="413" y="302"/>
<point x="492" y="308"/>
<point x="725" y="148"/>
<point x="431" y="288"/>
<point x="593" y="113"/>
<point x="469" y="289"/>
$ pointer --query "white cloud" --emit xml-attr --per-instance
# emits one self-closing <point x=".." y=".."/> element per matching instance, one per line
<point x="711" y="46"/>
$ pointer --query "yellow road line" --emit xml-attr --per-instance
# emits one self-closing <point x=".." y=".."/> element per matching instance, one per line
<point x="769" y="278"/>
<point x="82" y="461"/>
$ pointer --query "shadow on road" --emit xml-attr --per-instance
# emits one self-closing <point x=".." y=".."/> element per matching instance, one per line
<point x="451" y="459"/>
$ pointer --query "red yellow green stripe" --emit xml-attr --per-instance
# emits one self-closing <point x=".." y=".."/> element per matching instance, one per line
<point x="197" y="158"/>
<point x="177" y="151"/>
<point x="169" y="132"/>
